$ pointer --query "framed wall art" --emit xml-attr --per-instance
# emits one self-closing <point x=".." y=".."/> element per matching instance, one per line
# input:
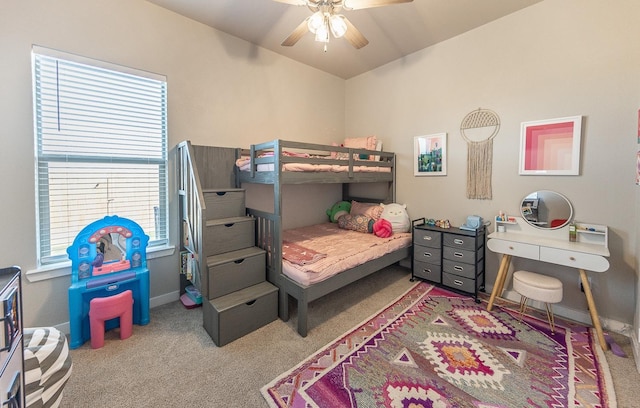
<point x="551" y="147"/>
<point x="430" y="155"/>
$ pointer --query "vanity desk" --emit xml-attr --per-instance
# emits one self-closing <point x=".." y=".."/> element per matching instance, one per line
<point x="518" y="238"/>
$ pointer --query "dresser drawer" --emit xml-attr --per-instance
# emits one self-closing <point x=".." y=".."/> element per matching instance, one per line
<point x="459" y="283"/>
<point x="224" y="203"/>
<point x="579" y="260"/>
<point x="427" y="254"/>
<point x="462" y="269"/>
<point x="235" y="270"/>
<point x="427" y="238"/>
<point x="229" y="234"/>
<point x="459" y="255"/>
<point x="514" y="248"/>
<point x="428" y="271"/>
<point x="461" y="241"/>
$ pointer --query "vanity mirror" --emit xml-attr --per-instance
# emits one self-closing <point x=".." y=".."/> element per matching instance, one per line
<point x="546" y="209"/>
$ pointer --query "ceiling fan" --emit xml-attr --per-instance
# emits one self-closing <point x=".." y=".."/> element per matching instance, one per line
<point x="326" y="20"/>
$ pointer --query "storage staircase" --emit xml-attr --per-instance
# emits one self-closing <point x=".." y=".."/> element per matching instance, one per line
<point x="237" y="299"/>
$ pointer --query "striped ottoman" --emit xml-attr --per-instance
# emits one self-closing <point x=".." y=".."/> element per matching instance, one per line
<point x="47" y="365"/>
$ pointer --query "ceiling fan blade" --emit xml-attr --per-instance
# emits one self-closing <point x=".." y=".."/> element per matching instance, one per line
<point x="363" y="4"/>
<point x="300" y="30"/>
<point x="354" y="36"/>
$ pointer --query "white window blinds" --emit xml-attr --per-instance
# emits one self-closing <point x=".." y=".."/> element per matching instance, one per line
<point x="101" y="148"/>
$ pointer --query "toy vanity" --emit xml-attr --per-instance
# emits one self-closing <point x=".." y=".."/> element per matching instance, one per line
<point x="108" y="257"/>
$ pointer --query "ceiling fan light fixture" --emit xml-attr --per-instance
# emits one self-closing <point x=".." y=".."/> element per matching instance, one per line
<point x="315" y="22"/>
<point x="322" y="34"/>
<point x="337" y="25"/>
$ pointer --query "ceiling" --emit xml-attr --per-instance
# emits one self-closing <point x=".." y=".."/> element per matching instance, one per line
<point x="393" y="31"/>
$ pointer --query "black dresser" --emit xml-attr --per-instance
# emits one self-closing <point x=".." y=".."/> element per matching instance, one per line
<point x="449" y="257"/>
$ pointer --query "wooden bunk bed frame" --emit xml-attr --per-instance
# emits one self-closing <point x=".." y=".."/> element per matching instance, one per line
<point x="269" y="225"/>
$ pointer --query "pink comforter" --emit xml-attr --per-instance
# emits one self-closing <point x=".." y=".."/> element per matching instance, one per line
<point x="344" y="249"/>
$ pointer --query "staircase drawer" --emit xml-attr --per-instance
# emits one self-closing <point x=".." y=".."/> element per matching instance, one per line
<point x="230" y="317"/>
<point x="235" y="270"/>
<point x="229" y="234"/>
<point x="224" y="203"/>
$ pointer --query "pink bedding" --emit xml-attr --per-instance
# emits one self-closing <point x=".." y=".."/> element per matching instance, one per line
<point x="244" y="164"/>
<point x="344" y="249"/>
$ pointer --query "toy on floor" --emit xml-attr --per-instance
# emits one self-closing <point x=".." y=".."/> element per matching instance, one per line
<point x="108" y="257"/>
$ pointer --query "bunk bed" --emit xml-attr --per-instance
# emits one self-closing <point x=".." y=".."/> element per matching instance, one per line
<point x="279" y="162"/>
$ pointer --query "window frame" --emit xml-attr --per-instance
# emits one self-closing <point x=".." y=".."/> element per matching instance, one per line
<point x="57" y="265"/>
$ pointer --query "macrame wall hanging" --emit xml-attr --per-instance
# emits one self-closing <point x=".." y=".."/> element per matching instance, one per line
<point x="479" y="152"/>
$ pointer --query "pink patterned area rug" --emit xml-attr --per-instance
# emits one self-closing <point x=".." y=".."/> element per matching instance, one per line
<point x="434" y="348"/>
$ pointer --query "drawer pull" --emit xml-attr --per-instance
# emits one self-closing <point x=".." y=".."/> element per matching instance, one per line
<point x="229" y="225"/>
<point x="239" y="261"/>
<point x="251" y="302"/>
<point x="571" y="258"/>
<point x="427" y="238"/>
<point x="458" y="268"/>
<point x="426" y="270"/>
<point x="427" y="254"/>
<point x="458" y="282"/>
<point x="221" y="193"/>
<point x="458" y="241"/>
<point x="458" y="254"/>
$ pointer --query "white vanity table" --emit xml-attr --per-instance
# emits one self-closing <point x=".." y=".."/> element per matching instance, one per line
<point x="519" y="239"/>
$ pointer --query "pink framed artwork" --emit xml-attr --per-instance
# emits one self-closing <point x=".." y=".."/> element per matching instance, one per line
<point x="551" y="147"/>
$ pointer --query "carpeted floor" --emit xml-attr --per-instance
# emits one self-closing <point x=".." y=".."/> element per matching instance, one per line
<point x="173" y="362"/>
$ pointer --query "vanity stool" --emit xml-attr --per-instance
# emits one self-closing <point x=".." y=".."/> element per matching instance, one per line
<point x="534" y="286"/>
<point x="107" y="308"/>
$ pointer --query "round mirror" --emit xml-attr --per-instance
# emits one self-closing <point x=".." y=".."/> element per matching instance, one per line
<point x="546" y="209"/>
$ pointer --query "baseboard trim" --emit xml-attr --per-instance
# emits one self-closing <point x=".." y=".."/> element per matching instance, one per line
<point x="580" y="316"/>
<point x="636" y="349"/>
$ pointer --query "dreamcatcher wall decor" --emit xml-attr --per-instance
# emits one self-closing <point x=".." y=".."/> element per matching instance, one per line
<point x="479" y="152"/>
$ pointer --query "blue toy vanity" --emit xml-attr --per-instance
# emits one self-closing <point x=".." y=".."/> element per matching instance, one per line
<point x="107" y="257"/>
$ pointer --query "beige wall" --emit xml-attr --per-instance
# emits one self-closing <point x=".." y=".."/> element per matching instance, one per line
<point x="222" y="91"/>
<point x="555" y="59"/>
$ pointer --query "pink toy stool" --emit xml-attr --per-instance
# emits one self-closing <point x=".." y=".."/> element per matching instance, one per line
<point x="107" y="308"/>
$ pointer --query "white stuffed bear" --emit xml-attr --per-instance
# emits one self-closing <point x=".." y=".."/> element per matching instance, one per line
<point x="397" y="215"/>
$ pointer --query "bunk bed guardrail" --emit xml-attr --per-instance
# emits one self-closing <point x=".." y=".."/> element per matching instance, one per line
<point x="322" y="156"/>
<point x="268" y="237"/>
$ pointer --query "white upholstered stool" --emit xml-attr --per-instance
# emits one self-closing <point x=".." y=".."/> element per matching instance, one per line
<point x="538" y="287"/>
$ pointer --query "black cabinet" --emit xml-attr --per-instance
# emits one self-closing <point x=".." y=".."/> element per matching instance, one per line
<point x="11" y="351"/>
<point x="450" y="257"/>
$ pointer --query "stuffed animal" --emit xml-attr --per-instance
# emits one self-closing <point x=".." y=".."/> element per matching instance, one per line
<point x="397" y="215"/>
<point x="338" y="209"/>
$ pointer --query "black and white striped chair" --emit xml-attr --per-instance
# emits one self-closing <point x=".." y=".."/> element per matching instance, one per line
<point x="47" y="365"/>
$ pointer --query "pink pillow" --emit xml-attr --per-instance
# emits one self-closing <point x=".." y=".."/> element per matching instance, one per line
<point x="382" y="228"/>
<point x="373" y="211"/>
<point x="368" y="143"/>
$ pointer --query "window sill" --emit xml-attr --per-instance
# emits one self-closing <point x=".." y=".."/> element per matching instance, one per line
<point x="64" y="268"/>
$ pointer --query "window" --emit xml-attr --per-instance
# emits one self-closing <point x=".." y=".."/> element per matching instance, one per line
<point x="101" y="148"/>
